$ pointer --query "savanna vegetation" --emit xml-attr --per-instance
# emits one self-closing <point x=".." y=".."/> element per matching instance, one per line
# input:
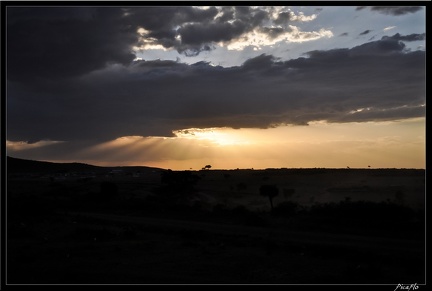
<point x="276" y="226"/>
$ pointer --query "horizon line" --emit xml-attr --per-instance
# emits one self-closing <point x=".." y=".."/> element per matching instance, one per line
<point x="228" y="169"/>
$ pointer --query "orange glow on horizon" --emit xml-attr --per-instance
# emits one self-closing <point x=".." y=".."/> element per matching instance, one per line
<point x="399" y="144"/>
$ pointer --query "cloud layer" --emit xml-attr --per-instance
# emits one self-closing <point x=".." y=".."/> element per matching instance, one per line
<point x="393" y="10"/>
<point x="378" y="80"/>
<point x="54" y="42"/>
<point x="72" y="73"/>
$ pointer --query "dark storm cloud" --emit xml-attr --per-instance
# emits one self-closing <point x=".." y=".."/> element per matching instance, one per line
<point x="164" y="24"/>
<point x="379" y="48"/>
<point x="365" y="32"/>
<point x="58" y="42"/>
<point x="393" y="10"/>
<point x="396" y="10"/>
<point x="194" y="30"/>
<point x="191" y="30"/>
<point x="411" y="37"/>
<point x="259" y="63"/>
<point x="16" y="14"/>
<point x="283" y="18"/>
<point x="44" y="42"/>
<point x="378" y="80"/>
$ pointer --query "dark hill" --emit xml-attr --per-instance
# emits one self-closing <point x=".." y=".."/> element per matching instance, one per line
<point x="15" y="165"/>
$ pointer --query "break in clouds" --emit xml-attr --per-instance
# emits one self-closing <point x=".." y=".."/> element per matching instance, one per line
<point x="73" y="74"/>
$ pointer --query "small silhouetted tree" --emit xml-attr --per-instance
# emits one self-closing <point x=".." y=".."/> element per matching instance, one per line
<point x="270" y="191"/>
<point x="207" y="167"/>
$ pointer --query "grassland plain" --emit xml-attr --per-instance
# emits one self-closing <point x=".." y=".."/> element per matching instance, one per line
<point x="329" y="226"/>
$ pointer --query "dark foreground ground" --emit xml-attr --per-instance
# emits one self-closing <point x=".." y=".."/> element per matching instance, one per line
<point x="213" y="227"/>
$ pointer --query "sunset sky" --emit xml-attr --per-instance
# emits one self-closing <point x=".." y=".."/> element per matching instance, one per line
<point x="234" y="87"/>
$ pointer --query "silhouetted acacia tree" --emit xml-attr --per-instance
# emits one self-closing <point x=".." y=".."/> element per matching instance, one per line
<point x="270" y="191"/>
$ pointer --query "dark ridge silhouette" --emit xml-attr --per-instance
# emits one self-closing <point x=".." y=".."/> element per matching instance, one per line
<point x="21" y="165"/>
<point x="16" y="165"/>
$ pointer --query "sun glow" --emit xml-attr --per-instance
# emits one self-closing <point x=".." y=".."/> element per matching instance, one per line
<point x="218" y="136"/>
<point x="24" y="145"/>
<point x="321" y="144"/>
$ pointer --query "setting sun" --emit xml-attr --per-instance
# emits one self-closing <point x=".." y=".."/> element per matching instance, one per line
<point x="217" y="136"/>
<point x="261" y="87"/>
<point x="396" y="144"/>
